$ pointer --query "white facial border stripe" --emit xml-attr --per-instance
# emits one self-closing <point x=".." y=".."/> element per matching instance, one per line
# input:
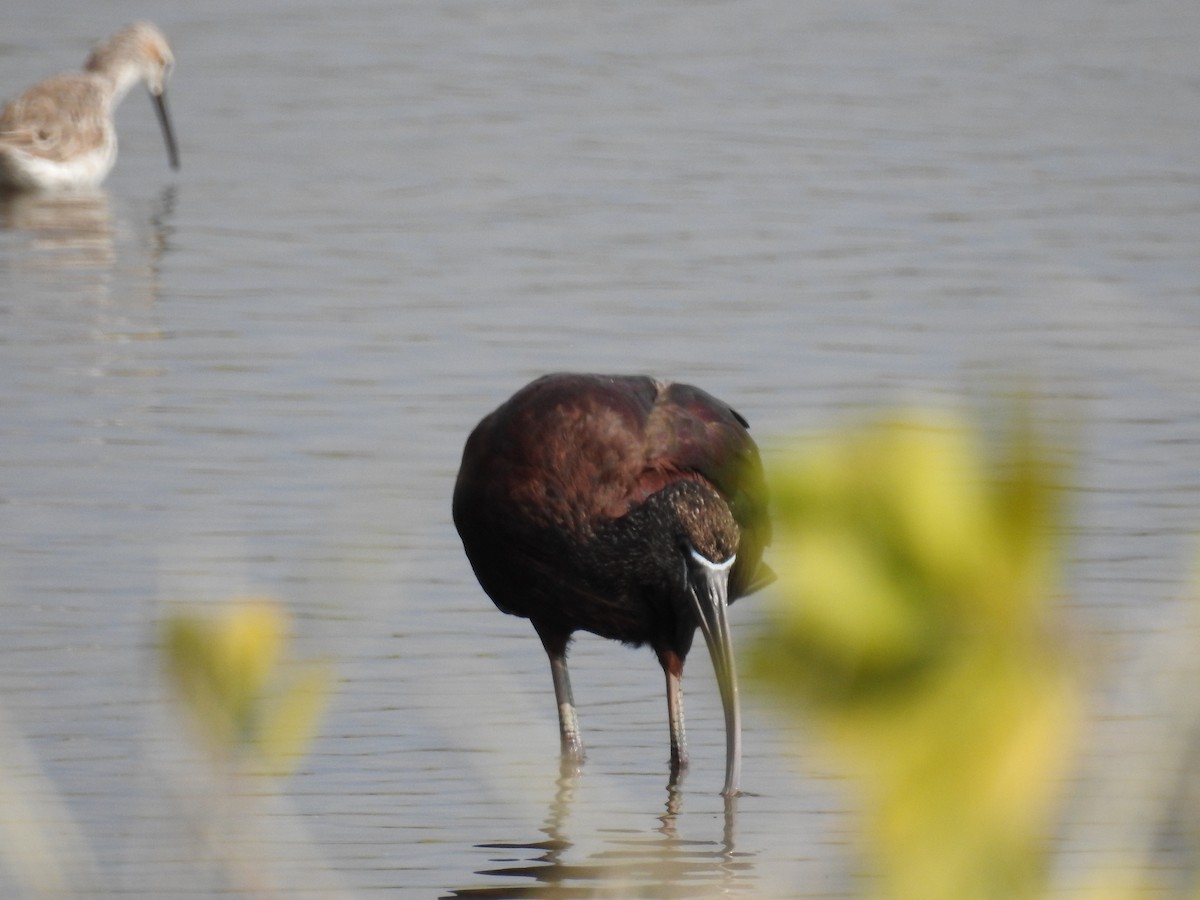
<point x="708" y="563"/>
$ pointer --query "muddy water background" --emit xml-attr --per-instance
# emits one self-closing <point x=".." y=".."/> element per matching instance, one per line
<point x="256" y="377"/>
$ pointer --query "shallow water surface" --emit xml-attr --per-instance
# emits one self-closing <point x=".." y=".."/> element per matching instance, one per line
<point x="255" y="377"/>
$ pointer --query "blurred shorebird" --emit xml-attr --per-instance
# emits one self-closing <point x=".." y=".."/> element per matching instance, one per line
<point x="60" y="134"/>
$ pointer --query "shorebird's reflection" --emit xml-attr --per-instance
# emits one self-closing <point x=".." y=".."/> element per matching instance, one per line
<point x="654" y="863"/>
<point x="69" y="229"/>
<point x="65" y="230"/>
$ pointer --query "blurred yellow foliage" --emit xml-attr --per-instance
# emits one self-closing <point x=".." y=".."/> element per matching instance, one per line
<point x="229" y="671"/>
<point x="914" y="622"/>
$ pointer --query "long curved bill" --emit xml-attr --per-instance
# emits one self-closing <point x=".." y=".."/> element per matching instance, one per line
<point x="710" y="598"/>
<point x="164" y="122"/>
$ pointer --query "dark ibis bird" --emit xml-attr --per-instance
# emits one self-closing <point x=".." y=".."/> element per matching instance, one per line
<point x="627" y="507"/>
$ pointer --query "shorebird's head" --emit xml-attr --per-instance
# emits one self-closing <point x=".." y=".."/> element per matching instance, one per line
<point x="139" y="52"/>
